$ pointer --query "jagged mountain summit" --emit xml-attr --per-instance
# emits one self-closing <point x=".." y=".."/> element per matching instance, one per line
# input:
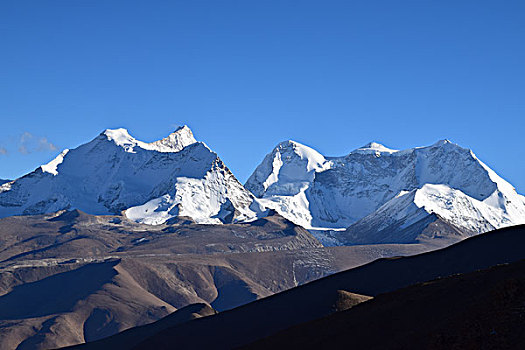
<point x="385" y="195"/>
<point x="374" y="194"/>
<point x="148" y="182"/>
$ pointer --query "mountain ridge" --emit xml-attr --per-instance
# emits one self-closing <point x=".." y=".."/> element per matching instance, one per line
<point x="151" y="182"/>
<point x="369" y="188"/>
<point x="339" y="192"/>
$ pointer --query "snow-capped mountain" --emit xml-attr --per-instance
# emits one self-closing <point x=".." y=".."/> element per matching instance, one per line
<point x="150" y="182"/>
<point x="380" y="192"/>
<point x="374" y="194"/>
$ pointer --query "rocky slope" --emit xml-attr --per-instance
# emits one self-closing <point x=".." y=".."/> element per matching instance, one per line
<point x="381" y="193"/>
<point x="151" y="182"/>
<point x="263" y="318"/>
<point x="120" y="274"/>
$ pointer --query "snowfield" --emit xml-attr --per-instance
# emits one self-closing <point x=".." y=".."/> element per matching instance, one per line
<point x="149" y="182"/>
<point x="378" y="187"/>
<point x="372" y="195"/>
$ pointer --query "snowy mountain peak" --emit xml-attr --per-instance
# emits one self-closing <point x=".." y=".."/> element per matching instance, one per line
<point x="443" y="142"/>
<point x="374" y="147"/>
<point x="312" y="159"/>
<point x="290" y="166"/>
<point x="176" y="141"/>
<point x="287" y="143"/>
<point x="341" y="191"/>
<point x="149" y="182"/>
<point x="120" y="137"/>
<point x="406" y="218"/>
<point x="183" y="128"/>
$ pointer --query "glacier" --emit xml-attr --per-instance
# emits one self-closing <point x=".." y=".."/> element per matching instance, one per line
<point x="374" y="187"/>
<point x="374" y="194"/>
<point x="148" y="182"/>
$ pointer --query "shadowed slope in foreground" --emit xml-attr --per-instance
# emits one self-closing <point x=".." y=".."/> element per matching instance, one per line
<point x="479" y="310"/>
<point x="130" y="337"/>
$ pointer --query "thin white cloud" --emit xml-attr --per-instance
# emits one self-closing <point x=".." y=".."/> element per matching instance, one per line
<point x="23" y="149"/>
<point x="25" y="137"/>
<point x="45" y="145"/>
<point x="29" y="143"/>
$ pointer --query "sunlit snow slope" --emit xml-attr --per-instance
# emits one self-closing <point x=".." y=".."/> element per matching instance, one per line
<point x="150" y="182"/>
<point x="375" y="188"/>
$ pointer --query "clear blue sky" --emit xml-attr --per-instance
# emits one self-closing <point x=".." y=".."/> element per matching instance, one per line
<point x="245" y="75"/>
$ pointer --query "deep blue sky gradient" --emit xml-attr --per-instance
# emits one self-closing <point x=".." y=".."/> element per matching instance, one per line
<point x="245" y="75"/>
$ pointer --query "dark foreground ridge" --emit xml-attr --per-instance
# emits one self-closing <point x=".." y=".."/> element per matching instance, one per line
<point x="479" y="310"/>
<point x="265" y="317"/>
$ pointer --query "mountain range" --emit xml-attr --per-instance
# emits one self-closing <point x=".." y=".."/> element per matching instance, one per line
<point x="154" y="239"/>
<point x="372" y="195"/>
<point x="378" y="195"/>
